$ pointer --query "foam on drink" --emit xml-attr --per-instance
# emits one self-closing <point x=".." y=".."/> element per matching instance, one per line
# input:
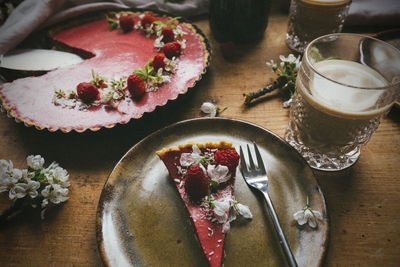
<point x="348" y="96"/>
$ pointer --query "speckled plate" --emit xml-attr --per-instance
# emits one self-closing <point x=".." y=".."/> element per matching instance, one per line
<point x="141" y="220"/>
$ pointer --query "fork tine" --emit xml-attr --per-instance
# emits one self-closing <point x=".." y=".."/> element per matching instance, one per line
<point x="252" y="166"/>
<point x="259" y="159"/>
<point x="243" y="165"/>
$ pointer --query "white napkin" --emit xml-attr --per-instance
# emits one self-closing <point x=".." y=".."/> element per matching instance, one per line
<point x="35" y="14"/>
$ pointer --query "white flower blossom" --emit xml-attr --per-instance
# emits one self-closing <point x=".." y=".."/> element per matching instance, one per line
<point x="270" y="63"/>
<point x="244" y="211"/>
<point x="209" y="108"/>
<point x="9" y="177"/>
<point x="188" y="159"/>
<point x="31" y="188"/>
<point x="218" y="173"/>
<point x="287" y="103"/>
<point x="158" y="43"/>
<point x="17" y="191"/>
<point x="55" y="174"/>
<point x="35" y="162"/>
<point x="55" y="193"/>
<point x="221" y="209"/>
<point x="106" y="95"/>
<point x="5" y="168"/>
<point x="27" y="175"/>
<point x="290" y="59"/>
<point x="222" y="214"/>
<point x="307" y="215"/>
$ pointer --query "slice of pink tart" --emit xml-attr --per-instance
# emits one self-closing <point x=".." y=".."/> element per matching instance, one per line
<point x="116" y="45"/>
<point x="204" y="176"/>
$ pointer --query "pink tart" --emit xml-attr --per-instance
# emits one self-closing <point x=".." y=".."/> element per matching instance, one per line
<point x="117" y="48"/>
<point x="204" y="176"/>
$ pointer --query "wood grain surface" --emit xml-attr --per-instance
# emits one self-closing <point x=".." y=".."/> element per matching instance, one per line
<point x="363" y="202"/>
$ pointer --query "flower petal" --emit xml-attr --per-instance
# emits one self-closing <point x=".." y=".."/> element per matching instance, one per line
<point x="209" y="108"/>
<point x="226" y="227"/>
<point x="244" y="211"/>
<point x="299" y="217"/>
<point x="218" y="173"/>
<point x="312" y="222"/>
<point x="317" y="214"/>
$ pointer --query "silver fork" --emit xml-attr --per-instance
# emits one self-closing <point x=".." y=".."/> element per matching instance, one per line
<point x="256" y="177"/>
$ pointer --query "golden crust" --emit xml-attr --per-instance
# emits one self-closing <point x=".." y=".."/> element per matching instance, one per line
<point x="221" y="144"/>
<point x="11" y="112"/>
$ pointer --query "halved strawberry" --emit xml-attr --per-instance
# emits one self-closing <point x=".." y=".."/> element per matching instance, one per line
<point x="136" y="86"/>
<point x="126" y="23"/>
<point x="197" y="184"/>
<point x="87" y="92"/>
<point x="147" y="20"/>
<point x="172" y="49"/>
<point x="158" y="61"/>
<point x="168" y="35"/>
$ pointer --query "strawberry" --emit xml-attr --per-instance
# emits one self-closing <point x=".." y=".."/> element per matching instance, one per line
<point x="87" y="92"/>
<point x="228" y="157"/>
<point x="196" y="183"/>
<point x="168" y="35"/>
<point x="147" y="20"/>
<point x="172" y="49"/>
<point x="158" y="61"/>
<point x="136" y="86"/>
<point x="126" y="23"/>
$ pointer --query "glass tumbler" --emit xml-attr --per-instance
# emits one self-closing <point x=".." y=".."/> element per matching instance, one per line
<point x="345" y="84"/>
<point x="238" y="21"/>
<point x="309" y="19"/>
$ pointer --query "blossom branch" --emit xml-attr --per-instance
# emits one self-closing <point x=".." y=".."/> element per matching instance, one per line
<point x="34" y="186"/>
<point x="286" y="72"/>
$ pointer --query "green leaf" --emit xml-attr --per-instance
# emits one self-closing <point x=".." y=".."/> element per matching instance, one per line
<point x="113" y="24"/>
<point x="60" y="93"/>
<point x="139" y="72"/>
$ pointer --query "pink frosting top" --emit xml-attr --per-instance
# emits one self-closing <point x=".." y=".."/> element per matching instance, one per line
<point x="115" y="54"/>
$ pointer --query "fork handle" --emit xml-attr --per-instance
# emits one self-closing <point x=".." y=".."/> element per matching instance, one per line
<point x="282" y="238"/>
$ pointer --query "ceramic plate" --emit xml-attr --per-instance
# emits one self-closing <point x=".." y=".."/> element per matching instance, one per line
<point x="141" y="220"/>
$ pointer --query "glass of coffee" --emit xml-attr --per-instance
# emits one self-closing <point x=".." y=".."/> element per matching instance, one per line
<point x="309" y="19"/>
<point x="345" y="84"/>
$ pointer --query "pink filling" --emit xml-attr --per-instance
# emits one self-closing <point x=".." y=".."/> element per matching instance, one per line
<point x="116" y="54"/>
<point x="212" y="241"/>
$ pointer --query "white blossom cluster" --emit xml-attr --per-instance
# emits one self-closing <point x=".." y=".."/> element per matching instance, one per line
<point x="178" y="33"/>
<point x="289" y="67"/>
<point x="110" y="95"/>
<point x="156" y="30"/>
<point x="36" y="184"/>
<point x="225" y="210"/>
<point x="163" y="75"/>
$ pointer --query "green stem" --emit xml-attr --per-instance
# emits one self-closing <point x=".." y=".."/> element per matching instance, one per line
<point x="278" y="83"/>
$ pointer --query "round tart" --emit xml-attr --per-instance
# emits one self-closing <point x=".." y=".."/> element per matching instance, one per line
<point x="114" y="52"/>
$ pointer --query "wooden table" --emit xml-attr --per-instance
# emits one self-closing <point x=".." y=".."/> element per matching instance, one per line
<point x="363" y="202"/>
